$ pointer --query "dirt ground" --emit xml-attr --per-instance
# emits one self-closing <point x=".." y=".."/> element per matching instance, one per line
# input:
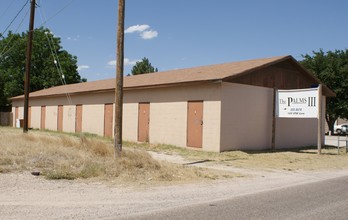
<point x="24" y="196"/>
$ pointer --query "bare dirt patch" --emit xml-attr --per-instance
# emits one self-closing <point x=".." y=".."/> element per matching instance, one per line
<point x="305" y="159"/>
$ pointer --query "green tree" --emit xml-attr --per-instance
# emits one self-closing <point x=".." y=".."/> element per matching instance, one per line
<point x="43" y="73"/>
<point x="332" y="69"/>
<point x="143" y="66"/>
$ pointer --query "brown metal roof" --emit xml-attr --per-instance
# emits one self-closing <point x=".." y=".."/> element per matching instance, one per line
<point x="180" y="76"/>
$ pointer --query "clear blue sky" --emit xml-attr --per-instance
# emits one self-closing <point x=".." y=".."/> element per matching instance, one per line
<point x="186" y="33"/>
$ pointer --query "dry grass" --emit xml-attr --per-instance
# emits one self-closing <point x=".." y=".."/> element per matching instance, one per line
<point x="70" y="156"/>
<point x="63" y="156"/>
<point x="296" y="159"/>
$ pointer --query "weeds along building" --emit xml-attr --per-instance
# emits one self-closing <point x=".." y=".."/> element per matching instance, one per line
<point x="217" y="108"/>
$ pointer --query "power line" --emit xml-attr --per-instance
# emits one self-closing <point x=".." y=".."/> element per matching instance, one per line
<point x="8" y="7"/>
<point x="55" y="56"/>
<point x="8" y="26"/>
<point x="57" y="63"/>
<point x="57" y="13"/>
<point x="3" y="52"/>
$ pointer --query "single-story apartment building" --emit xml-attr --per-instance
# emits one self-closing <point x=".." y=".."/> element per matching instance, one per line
<point x="216" y="107"/>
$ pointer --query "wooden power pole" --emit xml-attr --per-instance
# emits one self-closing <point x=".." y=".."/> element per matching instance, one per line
<point x="27" y="66"/>
<point x="119" y="78"/>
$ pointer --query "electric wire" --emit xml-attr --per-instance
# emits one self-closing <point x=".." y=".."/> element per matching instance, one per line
<point x="3" y="52"/>
<point x="56" y="62"/>
<point x="57" y="13"/>
<point x="8" y="7"/>
<point x="55" y="56"/>
<point x="8" y="26"/>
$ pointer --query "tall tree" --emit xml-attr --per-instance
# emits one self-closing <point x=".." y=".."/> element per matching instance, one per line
<point x="332" y="69"/>
<point x="143" y="66"/>
<point x="44" y="73"/>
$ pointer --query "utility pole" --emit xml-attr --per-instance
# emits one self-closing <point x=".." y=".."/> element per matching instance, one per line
<point x="28" y="65"/>
<point x="119" y="79"/>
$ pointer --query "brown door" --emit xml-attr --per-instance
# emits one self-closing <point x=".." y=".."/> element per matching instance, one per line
<point x="29" y="116"/>
<point x="43" y="117"/>
<point x="195" y="124"/>
<point x="78" y="118"/>
<point x="60" y="118"/>
<point x="143" y="122"/>
<point x="108" y="113"/>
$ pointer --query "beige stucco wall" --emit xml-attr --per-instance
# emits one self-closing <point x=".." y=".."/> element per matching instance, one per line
<point x="69" y="114"/>
<point x="212" y="125"/>
<point x="168" y="122"/>
<point x="68" y="125"/>
<point x="168" y="113"/>
<point x="35" y="117"/>
<point x="246" y="121"/>
<point x="85" y="98"/>
<point x="51" y="118"/>
<point x="93" y="119"/>
<point x="130" y="121"/>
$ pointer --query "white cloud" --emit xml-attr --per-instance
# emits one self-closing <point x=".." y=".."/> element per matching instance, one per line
<point x="82" y="67"/>
<point x="147" y="35"/>
<point x="112" y="63"/>
<point x="137" y="28"/>
<point x="51" y="33"/>
<point x="144" y="30"/>
<point x="74" y="38"/>
<point x="127" y="62"/>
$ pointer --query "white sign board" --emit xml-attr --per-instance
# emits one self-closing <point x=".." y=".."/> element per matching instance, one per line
<point x="297" y="103"/>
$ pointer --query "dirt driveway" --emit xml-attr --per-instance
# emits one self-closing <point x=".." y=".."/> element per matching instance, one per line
<point x="23" y="196"/>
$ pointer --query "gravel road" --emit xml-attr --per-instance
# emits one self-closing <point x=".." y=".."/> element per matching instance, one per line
<point x="23" y="196"/>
